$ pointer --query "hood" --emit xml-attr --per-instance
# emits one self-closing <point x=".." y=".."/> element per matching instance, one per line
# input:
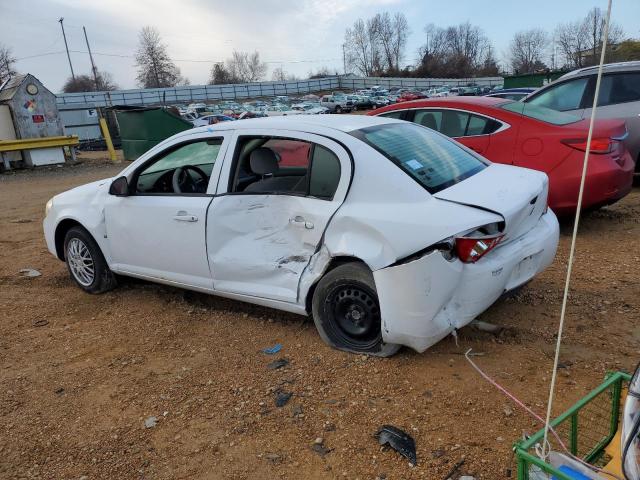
<point x="518" y="195"/>
<point x="83" y="192"/>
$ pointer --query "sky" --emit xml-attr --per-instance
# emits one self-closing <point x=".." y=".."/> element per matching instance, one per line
<point x="297" y="35"/>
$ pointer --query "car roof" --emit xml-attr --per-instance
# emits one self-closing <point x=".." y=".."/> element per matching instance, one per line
<point x="607" y="68"/>
<point x="453" y="101"/>
<point x="344" y="123"/>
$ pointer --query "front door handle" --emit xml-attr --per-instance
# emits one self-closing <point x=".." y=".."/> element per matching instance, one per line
<point x="183" y="216"/>
<point x="299" y="220"/>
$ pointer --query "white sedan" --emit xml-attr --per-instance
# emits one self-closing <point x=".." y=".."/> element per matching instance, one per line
<point x="387" y="232"/>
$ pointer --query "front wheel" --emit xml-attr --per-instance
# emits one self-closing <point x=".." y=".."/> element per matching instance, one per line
<point x="346" y="311"/>
<point x="338" y="109"/>
<point x="85" y="262"/>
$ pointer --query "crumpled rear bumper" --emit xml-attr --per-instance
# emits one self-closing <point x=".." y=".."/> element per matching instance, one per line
<point x="424" y="300"/>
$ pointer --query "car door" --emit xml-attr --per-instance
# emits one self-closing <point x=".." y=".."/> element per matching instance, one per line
<point x="264" y="226"/>
<point x="158" y="233"/>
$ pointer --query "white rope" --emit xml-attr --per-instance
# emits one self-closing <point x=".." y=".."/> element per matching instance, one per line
<point x="544" y="452"/>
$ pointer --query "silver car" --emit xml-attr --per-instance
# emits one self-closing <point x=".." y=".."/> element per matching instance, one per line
<point x="619" y="97"/>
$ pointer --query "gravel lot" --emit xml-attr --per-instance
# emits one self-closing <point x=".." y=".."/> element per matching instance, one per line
<point x="80" y="374"/>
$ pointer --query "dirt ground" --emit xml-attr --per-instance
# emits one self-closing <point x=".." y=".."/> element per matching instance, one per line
<point x="80" y="374"/>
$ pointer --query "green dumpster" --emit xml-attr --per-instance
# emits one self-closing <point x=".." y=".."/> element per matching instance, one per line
<point x="143" y="127"/>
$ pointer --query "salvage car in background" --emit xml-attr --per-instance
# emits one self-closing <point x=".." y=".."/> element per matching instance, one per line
<point x="512" y="93"/>
<point x="387" y="232"/>
<point x="619" y="97"/>
<point x="535" y="137"/>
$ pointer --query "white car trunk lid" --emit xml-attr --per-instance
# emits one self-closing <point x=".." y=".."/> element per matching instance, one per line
<point x="519" y="195"/>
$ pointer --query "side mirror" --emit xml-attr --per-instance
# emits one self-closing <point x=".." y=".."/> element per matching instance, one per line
<point x="119" y="187"/>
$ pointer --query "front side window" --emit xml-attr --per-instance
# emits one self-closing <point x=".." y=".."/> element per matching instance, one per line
<point x="184" y="169"/>
<point x="562" y="97"/>
<point x="432" y="160"/>
<point x="285" y="166"/>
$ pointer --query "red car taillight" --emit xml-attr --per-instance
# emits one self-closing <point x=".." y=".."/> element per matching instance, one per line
<point x="598" y="145"/>
<point x="472" y="249"/>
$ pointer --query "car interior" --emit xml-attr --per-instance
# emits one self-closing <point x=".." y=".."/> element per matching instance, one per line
<point x="183" y="170"/>
<point x="281" y="165"/>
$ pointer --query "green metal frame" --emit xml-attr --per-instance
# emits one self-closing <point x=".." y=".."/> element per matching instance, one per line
<point x="613" y="383"/>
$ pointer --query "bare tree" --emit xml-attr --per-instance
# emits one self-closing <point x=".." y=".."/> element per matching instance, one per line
<point x="219" y="75"/>
<point x="86" y="83"/>
<point x="280" y="75"/>
<point x="594" y="26"/>
<point x="244" y="67"/>
<point x="7" y="62"/>
<point x="456" y="51"/>
<point x="376" y="46"/>
<point x="580" y="42"/>
<point x="392" y="33"/>
<point x="155" y="68"/>
<point x="527" y="49"/>
<point x="358" y="47"/>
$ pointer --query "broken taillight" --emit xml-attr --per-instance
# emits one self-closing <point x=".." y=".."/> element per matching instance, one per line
<point x="472" y="249"/>
<point x="598" y="145"/>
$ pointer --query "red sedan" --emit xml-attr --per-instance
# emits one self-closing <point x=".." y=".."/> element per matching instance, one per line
<point x="410" y="95"/>
<point x="535" y="137"/>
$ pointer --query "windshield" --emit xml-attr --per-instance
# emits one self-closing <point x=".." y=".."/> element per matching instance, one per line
<point x="540" y="113"/>
<point x="431" y="159"/>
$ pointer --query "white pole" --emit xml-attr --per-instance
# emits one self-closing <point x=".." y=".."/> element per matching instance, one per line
<point x="573" y="237"/>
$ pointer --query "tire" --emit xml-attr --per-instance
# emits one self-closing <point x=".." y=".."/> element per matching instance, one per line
<point x="344" y="291"/>
<point x="355" y="108"/>
<point x="85" y="262"/>
<point x="338" y="109"/>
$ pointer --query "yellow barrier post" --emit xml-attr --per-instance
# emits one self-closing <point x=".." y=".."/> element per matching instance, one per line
<point x="107" y="139"/>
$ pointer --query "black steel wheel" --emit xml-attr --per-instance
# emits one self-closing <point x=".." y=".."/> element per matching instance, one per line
<point x="346" y="311"/>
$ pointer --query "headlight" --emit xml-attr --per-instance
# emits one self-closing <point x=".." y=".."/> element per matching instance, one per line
<point x="47" y="207"/>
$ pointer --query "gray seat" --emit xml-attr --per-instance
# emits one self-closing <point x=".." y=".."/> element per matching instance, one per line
<point x="263" y="162"/>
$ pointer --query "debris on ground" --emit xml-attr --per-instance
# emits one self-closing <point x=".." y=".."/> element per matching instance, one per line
<point x="276" y="364"/>
<point x="400" y="441"/>
<point x="487" y="327"/>
<point x="282" y="398"/>
<point x="319" y="447"/>
<point x="454" y="469"/>
<point x="40" y="323"/>
<point x="272" y="350"/>
<point x="150" y="422"/>
<point x="30" y="272"/>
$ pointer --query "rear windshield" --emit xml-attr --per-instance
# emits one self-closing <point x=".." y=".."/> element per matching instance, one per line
<point x="537" y="112"/>
<point x="431" y="159"/>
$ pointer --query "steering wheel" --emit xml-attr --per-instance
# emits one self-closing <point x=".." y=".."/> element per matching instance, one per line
<point x="183" y="182"/>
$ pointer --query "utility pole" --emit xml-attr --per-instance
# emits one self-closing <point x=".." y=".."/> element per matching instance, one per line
<point x="73" y="75"/>
<point x="93" y="65"/>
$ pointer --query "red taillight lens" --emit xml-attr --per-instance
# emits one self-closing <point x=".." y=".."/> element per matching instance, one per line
<point x="598" y="145"/>
<point x="472" y="249"/>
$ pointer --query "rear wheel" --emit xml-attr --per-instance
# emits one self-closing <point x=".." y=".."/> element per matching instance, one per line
<point x="338" y="109"/>
<point x="85" y="262"/>
<point x="346" y="311"/>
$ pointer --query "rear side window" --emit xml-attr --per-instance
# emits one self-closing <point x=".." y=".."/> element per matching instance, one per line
<point x="325" y="173"/>
<point x="430" y="159"/>
<point x="619" y="88"/>
<point x="562" y="97"/>
<point x="455" y="123"/>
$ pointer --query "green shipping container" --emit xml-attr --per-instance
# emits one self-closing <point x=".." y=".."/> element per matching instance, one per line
<point x="142" y="128"/>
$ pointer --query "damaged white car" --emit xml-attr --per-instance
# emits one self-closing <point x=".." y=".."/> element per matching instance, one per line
<point x="387" y="232"/>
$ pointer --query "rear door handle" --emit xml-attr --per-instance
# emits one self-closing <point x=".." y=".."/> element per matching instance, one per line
<point x="183" y="216"/>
